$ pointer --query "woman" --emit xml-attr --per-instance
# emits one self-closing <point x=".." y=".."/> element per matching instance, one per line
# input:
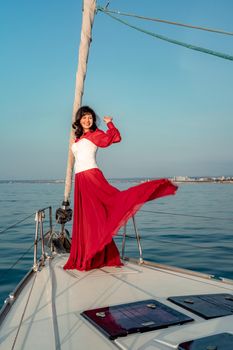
<point x="99" y="208"/>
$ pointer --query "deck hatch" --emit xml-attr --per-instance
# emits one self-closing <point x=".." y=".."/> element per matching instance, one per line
<point x="207" y="305"/>
<point x="222" y="341"/>
<point x="142" y="316"/>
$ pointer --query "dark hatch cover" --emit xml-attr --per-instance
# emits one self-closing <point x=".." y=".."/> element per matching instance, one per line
<point x="222" y="341"/>
<point x="142" y="316"/>
<point x="206" y="305"/>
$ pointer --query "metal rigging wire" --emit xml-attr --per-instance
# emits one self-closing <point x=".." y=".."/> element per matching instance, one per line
<point x="219" y="31"/>
<point x="172" y="41"/>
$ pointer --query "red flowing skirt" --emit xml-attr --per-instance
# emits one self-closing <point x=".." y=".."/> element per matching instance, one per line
<point x="99" y="211"/>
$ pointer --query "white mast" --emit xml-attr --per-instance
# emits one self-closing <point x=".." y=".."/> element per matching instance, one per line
<point x="89" y="8"/>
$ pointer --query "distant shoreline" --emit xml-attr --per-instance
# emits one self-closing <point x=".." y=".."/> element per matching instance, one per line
<point x="203" y="179"/>
<point x="176" y="179"/>
<point x="201" y="182"/>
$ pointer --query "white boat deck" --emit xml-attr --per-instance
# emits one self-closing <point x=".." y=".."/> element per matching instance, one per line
<point x="49" y="307"/>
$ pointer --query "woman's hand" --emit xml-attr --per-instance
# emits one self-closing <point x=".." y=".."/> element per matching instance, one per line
<point x="107" y="119"/>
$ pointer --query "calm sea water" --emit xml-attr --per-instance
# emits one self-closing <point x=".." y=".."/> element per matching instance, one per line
<point x="193" y="229"/>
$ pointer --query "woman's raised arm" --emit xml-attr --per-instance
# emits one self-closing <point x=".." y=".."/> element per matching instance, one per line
<point x="105" y="139"/>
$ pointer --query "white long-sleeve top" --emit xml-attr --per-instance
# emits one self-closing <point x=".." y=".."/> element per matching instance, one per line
<point x="85" y="148"/>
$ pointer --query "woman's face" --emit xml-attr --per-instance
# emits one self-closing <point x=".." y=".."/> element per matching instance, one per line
<point x="86" y="122"/>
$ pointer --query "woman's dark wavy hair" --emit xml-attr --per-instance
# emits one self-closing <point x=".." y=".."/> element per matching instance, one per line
<point x="80" y="113"/>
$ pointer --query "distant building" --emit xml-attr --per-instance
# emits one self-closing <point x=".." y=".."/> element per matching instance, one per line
<point x="181" y="178"/>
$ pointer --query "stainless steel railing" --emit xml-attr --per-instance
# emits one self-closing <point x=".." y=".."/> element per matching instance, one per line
<point x="37" y="263"/>
<point x="39" y="237"/>
<point x="137" y="237"/>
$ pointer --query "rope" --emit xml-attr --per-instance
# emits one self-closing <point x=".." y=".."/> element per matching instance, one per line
<point x="219" y="31"/>
<point x="172" y="273"/>
<point x="24" y="311"/>
<point x="173" y="41"/>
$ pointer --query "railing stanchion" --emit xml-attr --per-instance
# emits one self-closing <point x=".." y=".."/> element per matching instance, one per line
<point x="123" y="243"/>
<point x="51" y="229"/>
<point x="42" y="215"/>
<point x="35" y="264"/>
<point x="138" y="241"/>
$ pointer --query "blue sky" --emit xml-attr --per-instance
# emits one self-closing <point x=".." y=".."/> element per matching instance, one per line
<point x="172" y="105"/>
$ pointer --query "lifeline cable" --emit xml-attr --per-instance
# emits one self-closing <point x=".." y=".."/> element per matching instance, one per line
<point x="15" y="263"/>
<point x="190" y="245"/>
<point x="15" y="224"/>
<point x="187" y="215"/>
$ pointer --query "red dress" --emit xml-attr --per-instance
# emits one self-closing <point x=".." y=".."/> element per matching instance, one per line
<point x="101" y="209"/>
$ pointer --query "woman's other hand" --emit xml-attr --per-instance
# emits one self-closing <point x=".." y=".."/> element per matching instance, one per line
<point x="107" y="119"/>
